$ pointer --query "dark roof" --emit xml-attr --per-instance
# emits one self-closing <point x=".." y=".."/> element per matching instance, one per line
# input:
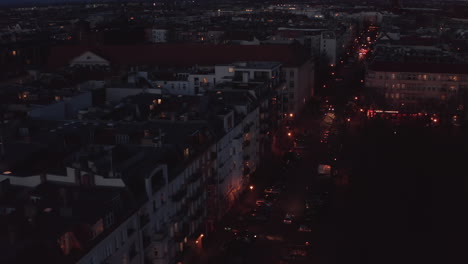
<point x="182" y="54"/>
<point x="419" y="67"/>
<point x="417" y="41"/>
<point x="239" y="35"/>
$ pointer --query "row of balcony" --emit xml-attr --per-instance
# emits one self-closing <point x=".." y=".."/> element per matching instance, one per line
<point x="180" y="194"/>
<point x="182" y="233"/>
<point x="197" y="193"/>
<point x="195" y="176"/>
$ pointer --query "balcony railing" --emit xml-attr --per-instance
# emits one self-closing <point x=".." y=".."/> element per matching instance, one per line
<point x="197" y="214"/>
<point x="176" y="197"/>
<point x="159" y="236"/>
<point x="181" y="212"/>
<point x="212" y="181"/>
<point x="195" y="177"/>
<point x="146" y="241"/>
<point x="198" y="192"/>
<point x="132" y="254"/>
<point x="183" y="232"/>
<point x="130" y="231"/>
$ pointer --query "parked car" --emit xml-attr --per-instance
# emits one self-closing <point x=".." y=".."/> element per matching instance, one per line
<point x="288" y="218"/>
<point x="272" y="190"/>
<point x="256" y="217"/>
<point x="304" y="228"/>
<point x="269" y="197"/>
<point x="263" y="202"/>
<point x="291" y="156"/>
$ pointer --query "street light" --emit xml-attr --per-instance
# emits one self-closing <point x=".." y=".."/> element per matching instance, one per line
<point x="289" y="134"/>
<point x="251" y="187"/>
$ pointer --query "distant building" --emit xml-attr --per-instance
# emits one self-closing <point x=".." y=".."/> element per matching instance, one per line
<point x="156" y="35"/>
<point x="416" y="87"/>
<point x="328" y="47"/>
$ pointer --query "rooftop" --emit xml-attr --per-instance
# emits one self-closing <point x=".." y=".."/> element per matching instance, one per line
<point x="183" y="55"/>
<point x="419" y="67"/>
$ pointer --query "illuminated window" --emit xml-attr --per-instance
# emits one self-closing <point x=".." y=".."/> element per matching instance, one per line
<point x="186" y="152"/>
<point x="205" y="80"/>
<point x="159" y="101"/>
<point x="231" y="69"/>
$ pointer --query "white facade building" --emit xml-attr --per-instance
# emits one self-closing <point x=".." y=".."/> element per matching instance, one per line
<point x="328" y="46"/>
<point x="159" y="35"/>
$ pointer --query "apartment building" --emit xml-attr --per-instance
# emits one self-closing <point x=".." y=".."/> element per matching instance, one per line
<point x="417" y="86"/>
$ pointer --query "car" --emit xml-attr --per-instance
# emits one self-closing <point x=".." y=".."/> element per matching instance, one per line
<point x="299" y="143"/>
<point x="269" y="197"/>
<point x="263" y="202"/>
<point x="291" y="156"/>
<point x="304" y="228"/>
<point x="272" y="190"/>
<point x="288" y="218"/>
<point x="246" y="236"/>
<point x="280" y="185"/>
<point x="256" y="217"/>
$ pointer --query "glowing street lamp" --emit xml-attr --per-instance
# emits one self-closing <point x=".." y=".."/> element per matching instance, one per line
<point x="251" y="187"/>
<point x="289" y="134"/>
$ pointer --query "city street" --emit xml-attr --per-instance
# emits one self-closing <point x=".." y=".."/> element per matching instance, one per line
<point x="394" y="196"/>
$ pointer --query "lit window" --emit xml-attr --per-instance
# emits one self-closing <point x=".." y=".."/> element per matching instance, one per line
<point x="231" y="70"/>
<point x="186" y="152"/>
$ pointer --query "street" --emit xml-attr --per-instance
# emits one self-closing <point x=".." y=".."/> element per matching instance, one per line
<point x="397" y="194"/>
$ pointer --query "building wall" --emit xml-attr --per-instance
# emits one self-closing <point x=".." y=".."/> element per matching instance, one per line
<point x="415" y="88"/>
<point x="300" y="86"/>
<point x="117" y="246"/>
<point x="53" y="111"/>
<point x="175" y="87"/>
<point x="328" y="46"/>
<point x="117" y="94"/>
<point x="159" y="35"/>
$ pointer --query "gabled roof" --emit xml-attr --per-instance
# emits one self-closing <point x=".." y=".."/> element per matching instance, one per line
<point x="182" y="55"/>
